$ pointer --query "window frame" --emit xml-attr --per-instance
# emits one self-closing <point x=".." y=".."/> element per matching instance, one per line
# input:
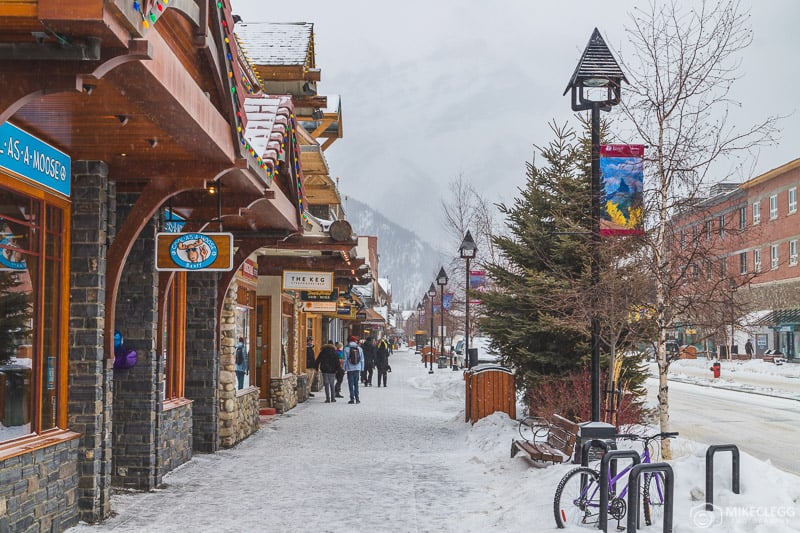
<point x="793" y="252"/>
<point x="757" y="212"/>
<point x="757" y="260"/>
<point x="773" y="207"/>
<point x="792" y="200"/>
<point x="743" y="262"/>
<point x="742" y="218"/>
<point x="52" y="243"/>
<point x="774" y="257"/>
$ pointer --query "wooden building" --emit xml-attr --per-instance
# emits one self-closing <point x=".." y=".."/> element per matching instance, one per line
<point x="135" y="133"/>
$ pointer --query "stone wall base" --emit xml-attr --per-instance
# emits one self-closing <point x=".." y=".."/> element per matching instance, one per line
<point x="283" y="392"/>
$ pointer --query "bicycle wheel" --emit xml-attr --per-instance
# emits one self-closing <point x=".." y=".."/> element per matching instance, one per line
<point x="577" y="499"/>
<point x="653" y="498"/>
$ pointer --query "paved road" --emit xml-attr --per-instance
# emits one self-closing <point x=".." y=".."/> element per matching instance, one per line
<point x="766" y="427"/>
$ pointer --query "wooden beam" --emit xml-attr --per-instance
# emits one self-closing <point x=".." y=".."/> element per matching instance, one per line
<point x="315" y="101"/>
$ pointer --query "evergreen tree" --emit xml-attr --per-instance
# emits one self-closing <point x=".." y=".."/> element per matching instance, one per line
<point x="545" y="258"/>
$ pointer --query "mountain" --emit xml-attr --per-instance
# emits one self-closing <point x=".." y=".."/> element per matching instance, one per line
<point x="408" y="262"/>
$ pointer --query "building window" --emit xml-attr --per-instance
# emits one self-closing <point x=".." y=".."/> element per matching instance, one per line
<point x="743" y="263"/>
<point x="683" y="240"/>
<point x="756" y="212"/>
<point x="793" y="200"/>
<point x="33" y="315"/>
<point x="793" y="252"/>
<point x="694" y="234"/>
<point x="742" y="218"/>
<point x="773" y="254"/>
<point x="709" y="224"/>
<point x="773" y="207"/>
<point x="722" y="225"/>
<point x="173" y="328"/>
<point x="757" y="260"/>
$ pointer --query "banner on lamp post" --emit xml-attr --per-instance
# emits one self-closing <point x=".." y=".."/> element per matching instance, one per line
<point x="621" y="178"/>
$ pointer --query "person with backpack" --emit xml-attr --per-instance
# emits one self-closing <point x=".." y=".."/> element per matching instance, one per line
<point x="382" y="360"/>
<point x="353" y="365"/>
<point x="369" y="361"/>
<point x="328" y="362"/>
<point x="241" y="367"/>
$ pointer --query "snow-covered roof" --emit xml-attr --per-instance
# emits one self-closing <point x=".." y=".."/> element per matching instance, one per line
<point x="385" y="285"/>
<point x="277" y="44"/>
<point x="267" y="119"/>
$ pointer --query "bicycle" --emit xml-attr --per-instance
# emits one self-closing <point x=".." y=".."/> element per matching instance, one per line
<point x="577" y="498"/>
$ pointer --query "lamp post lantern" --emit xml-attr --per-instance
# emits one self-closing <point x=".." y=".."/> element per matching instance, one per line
<point x="431" y="295"/>
<point x="596" y="70"/>
<point x="441" y="280"/>
<point x="468" y="250"/>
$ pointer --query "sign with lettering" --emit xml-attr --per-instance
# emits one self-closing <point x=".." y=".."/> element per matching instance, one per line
<point x="309" y="296"/>
<point x="194" y="251"/>
<point x="343" y="310"/>
<point x="362" y="315"/>
<point x="319" y="307"/>
<point x="24" y="154"/>
<point x="173" y="222"/>
<point x="248" y="271"/>
<point x="307" y="280"/>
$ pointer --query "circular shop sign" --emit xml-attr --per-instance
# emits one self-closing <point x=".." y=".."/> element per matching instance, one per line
<point x="193" y="251"/>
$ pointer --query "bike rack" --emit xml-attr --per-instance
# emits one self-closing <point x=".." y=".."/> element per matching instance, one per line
<point x="605" y="471"/>
<point x="589" y="444"/>
<point x="710" y="471"/>
<point x="633" y="493"/>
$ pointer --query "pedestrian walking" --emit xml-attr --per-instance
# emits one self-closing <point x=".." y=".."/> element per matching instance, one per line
<point x="310" y="364"/>
<point x="340" y="370"/>
<point x="382" y="361"/>
<point x="241" y="366"/>
<point x="328" y="363"/>
<point x="353" y="365"/>
<point x="369" y="361"/>
<point x="748" y="348"/>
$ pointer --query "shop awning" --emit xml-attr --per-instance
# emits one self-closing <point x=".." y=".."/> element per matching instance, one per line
<point x="783" y="317"/>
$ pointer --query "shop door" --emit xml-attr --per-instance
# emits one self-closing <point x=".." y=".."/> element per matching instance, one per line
<point x="263" y="344"/>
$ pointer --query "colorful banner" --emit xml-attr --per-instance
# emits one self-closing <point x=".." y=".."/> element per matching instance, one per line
<point x="448" y="299"/>
<point x="477" y="283"/>
<point x="621" y="178"/>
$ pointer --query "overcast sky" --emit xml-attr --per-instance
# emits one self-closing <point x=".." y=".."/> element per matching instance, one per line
<point x="434" y="89"/>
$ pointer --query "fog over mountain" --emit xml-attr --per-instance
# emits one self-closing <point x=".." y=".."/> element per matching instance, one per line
<point x="409" y="262"/>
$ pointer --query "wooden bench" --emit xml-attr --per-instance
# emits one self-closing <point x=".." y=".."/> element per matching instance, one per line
<point x="552" y="441"/>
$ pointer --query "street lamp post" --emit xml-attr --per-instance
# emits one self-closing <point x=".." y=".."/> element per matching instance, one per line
<point x="467" y="251"/>
<point x="441" y="280"/>
<point x="597" y="69"/>
<point x="424" y="359"/>
<point x="419" y="326"/>
<point x="431" y="295"/>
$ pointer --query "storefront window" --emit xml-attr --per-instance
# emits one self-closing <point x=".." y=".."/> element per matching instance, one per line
<point x="32" y="325"/>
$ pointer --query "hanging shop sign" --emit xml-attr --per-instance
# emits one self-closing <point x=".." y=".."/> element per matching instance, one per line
<point x="31" y="158"/>
<point x="173" y="222"/>
<point x="307" y="280"/>
<point x="362" y="315"/>
<point x="319" y="307"/>
<point x="343" y="310"/>
<point x="310" y="296"/>
<point x="248" y="271"/>
<point x="194" y="251"/>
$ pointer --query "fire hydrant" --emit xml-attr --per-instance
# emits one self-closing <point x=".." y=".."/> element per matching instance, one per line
<point x="715" y="368"/>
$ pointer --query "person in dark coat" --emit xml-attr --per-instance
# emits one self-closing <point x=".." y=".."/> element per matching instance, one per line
<point x="328" y="363"/>
<point x="340" y="371"/>
<point x="382" y="361"/>
<point x="310" y="363"/>
<point x="369" y="362"/>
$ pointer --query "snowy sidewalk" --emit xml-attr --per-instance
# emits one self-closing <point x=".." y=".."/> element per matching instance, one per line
<point x="396" y="462"/>
<point x="404" y="461"/>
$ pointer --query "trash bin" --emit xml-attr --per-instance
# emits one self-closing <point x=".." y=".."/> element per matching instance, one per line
<point x="588" y="431"/>
<point x="442" y="360"/>
<point x="489" y="388"/>
<point x="716" y="369"/>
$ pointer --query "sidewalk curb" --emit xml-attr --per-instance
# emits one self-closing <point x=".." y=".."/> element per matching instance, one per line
<point x="784" y="396"/>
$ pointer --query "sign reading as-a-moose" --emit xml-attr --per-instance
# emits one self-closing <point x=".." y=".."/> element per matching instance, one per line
<point x="307" y="280"/>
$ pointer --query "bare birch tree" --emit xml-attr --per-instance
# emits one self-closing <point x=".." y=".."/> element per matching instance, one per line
<point x="684" y="60"/>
